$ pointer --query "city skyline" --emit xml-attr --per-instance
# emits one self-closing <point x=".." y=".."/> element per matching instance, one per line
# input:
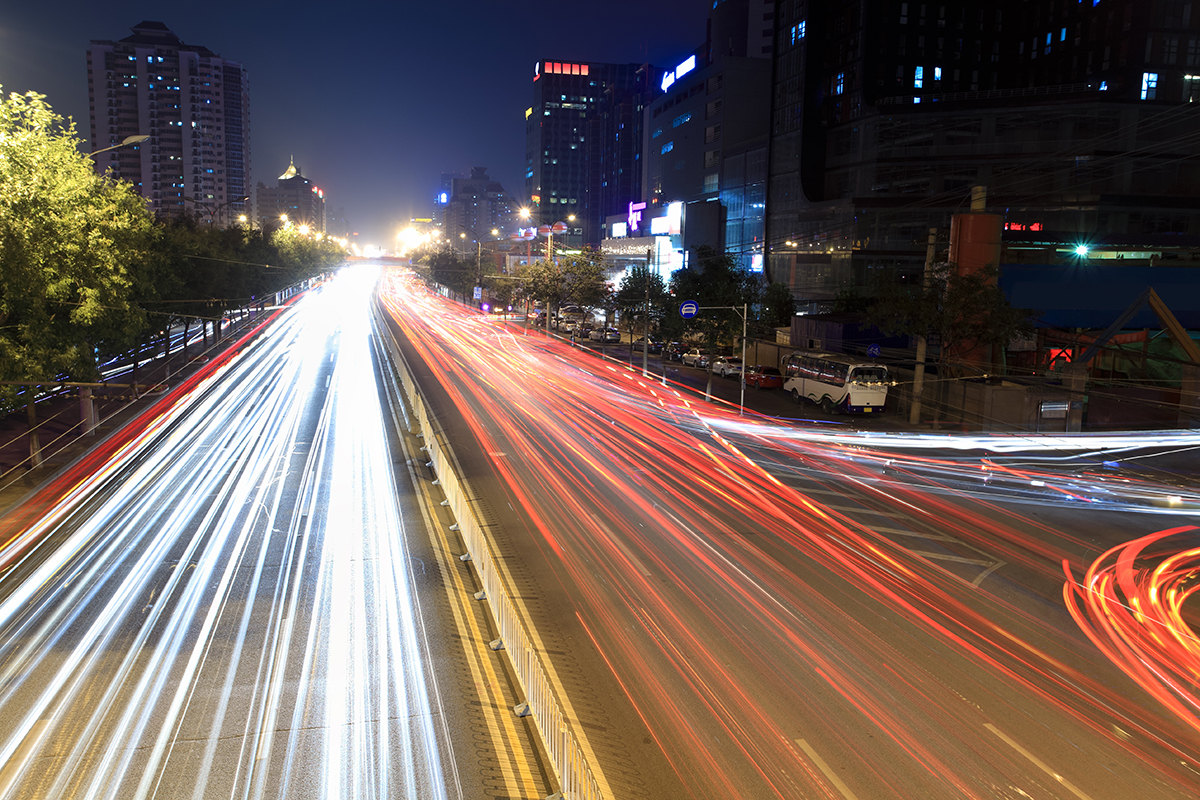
<point x="325" y="90"/>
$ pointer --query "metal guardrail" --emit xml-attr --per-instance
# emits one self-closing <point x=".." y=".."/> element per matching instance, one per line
<point x="567" y="758"/>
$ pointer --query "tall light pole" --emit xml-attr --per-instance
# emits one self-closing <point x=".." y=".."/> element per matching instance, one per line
<point x="548" y="230"/>
<point x="128" y="140"/>
<point x="744" y="311"/>
<point x="478" y="250"/>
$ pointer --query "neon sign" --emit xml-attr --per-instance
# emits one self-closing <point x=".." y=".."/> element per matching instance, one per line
<point x="635" y="215"/>
<point x="683" y="69"/>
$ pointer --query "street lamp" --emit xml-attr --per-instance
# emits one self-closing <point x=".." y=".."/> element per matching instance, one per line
<point x="548" y="231"/>
<point x="464" y="230"/>
<point x="128" y="140"/>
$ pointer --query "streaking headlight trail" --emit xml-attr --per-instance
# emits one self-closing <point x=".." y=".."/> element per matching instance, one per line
<point x="230" y="612"/>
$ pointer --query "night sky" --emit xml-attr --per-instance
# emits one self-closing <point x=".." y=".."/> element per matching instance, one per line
<point x="374" y="101"/>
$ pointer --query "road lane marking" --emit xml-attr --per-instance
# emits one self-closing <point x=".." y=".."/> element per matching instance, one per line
<point x="937" y="537"/>
<point x="829" y="773"/>
<point x="518" y="775"/>
<point x="12" y="770"/>
<point x="854" y="510"/>
<point x="612" y="537"/>
<point x="988" y="571"/>
<point x="956" y="559"/>
<point x="1043" y="766"/>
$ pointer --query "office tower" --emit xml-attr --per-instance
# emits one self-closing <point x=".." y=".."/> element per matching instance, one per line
<point x="1074" y="116"/>
<point x="194" y="106"/>
<point x="578" y="155"/>
<point x="706" y="133"/>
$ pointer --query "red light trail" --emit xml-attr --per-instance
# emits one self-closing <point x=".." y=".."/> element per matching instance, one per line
<point x="745" y="618"/>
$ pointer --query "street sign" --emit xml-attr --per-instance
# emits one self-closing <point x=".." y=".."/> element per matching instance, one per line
<point x="873" y="351"/>
<point x="478" y="292"/>
<point x="689" y="309"/>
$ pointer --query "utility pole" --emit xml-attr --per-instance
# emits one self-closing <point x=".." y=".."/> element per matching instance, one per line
<point x="914" y="412"/>
<point x="646" y="320"/>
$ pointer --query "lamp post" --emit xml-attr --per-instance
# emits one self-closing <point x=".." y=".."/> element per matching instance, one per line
<point x="744" y="312"/>
<point x="128" y="140"/>
<point x="478" y="250"/>
<point x="547" y="230"/>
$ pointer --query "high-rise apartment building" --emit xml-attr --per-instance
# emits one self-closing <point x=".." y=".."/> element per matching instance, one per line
<point x="579" y="158"/>
<point x="194" y="106"/>
<point x="1074" y="116"/>
<point x="475" y="206"/>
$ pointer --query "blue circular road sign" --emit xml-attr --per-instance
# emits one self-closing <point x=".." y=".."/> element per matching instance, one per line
<point x="873" y="350"/>
<point x="689" y="309"/>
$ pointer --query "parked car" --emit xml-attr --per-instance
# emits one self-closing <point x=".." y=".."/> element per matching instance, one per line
<point x="605" y="335"/>
<point x="696" y="357"/>
<point x="761" y="377"/>
<point x="649" y="345"/>
<point x="673" y="351"/>
<point x="727" y="366"/>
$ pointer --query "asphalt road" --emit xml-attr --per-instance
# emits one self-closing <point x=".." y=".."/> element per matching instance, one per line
<point x="732" y="607"/>
<point x="245" y="601"/>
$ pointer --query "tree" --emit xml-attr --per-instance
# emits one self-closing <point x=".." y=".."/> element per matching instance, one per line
<point x="72" y="247"/>
<point x="571" y="277"/>
<point x="445" y="268"/>
<point x="642" y="294"/>
<point x="302" y="256"/>
<point x="716" y="281"/>
<point x="778" y="306"/>
<point x="583" y="273"/>
<point x="964" y="312"/>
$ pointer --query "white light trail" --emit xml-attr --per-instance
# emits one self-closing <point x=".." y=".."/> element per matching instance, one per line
<point x="233" y="616"/>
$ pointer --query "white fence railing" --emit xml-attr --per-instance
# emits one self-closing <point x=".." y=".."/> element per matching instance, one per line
<point x="567" y="758"/>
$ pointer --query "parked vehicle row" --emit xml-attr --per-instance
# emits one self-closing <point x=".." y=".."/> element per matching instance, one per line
<point x="838" y="383"/>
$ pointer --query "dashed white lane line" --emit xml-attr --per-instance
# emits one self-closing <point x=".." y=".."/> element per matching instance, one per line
<point x="826" y="771"/>
<point x="1042" y="765"/>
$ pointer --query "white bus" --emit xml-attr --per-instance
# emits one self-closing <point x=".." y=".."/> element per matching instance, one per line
<point x="837" y="383"/>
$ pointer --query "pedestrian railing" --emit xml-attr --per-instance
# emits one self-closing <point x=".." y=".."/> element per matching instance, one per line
<point x="567" y="757"/>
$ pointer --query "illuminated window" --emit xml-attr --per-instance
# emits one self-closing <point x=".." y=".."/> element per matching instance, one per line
<point x="711" y="183"/>
<point x="798" y="31"/>
<point x="682" y="118"/>
<point x="937" y="73"/>
<point x="839" y="83"/>
<point x="657" y="133"/>
<point x="1149" y="85"/>
<point x="668" y="147"/>
<point x="919" y="78"/>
